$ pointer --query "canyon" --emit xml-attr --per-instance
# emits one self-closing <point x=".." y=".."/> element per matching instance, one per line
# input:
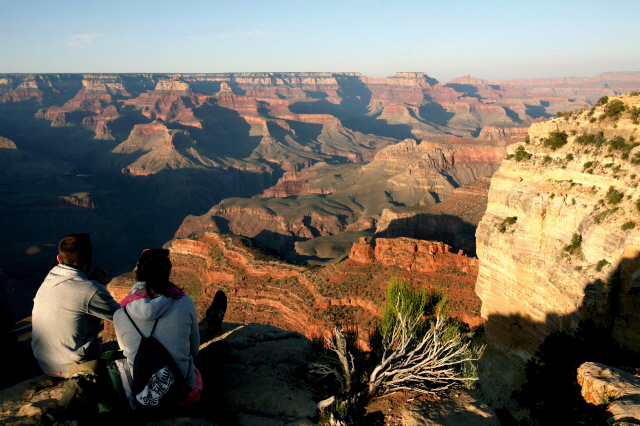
<point x="145" y="151"/>
<point x="303" y="194"/>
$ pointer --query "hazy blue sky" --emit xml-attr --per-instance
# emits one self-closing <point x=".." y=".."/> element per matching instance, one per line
<point x="487" y="39"/>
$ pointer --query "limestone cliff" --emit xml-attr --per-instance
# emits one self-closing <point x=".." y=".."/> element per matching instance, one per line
<point x="559" y="242"/>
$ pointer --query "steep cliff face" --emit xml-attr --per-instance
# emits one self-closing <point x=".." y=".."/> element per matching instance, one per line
<point x="559" y="243"/>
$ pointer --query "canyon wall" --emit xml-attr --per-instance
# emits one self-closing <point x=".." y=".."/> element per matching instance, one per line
<point x="310" y="300"/>
<point x="589" y="89"/>
<point x="559" y="245"/>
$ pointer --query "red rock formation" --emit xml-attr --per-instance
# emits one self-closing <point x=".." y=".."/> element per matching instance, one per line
<point x="26" y="90"/>
<point x="161" y="149"/>
<point x="168" y="102"/>
<point x="362" y="252"/>
<point x="412" y="255"/>
<point x="262" y="289"/>
<point x="293" y="183"/>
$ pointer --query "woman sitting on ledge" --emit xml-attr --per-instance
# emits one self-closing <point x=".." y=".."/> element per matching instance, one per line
<point x="156" y="306"/>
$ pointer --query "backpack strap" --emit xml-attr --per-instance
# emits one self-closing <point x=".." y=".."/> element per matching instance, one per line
<point x="136" y="327"/>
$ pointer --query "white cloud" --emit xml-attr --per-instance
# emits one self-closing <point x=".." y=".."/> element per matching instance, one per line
<point x="81" y="40"/>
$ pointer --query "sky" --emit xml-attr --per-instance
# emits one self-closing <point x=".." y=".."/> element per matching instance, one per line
<point x="486" y="39"/>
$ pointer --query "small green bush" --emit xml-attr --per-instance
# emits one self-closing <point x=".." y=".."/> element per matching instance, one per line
<point x="415" y="304"/>
<point x="614" y="196"/>
<point x="576" y="242"/>
<point x="592" y="120"/>
<point x="556" y="140"/>
<point x="634" y="93"/>
<point x="590" y="139"/>
<point x="527" y="140"/>
<point x="569" y="157"/>
<point x="521" y="154"/>
<point x="602" y="101"/>
<point x="618" y="143"/>
<point x="638" y="205"/>
<point x="601" y="265"/>
<point x="628" y="225"/>
<point x="614" y="108"/>
<point x="547" y="160"/>
<point x="505" y="223"/>
<point x="600" y="217"/>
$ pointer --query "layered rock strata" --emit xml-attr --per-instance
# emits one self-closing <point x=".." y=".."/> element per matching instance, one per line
<point x="262" y="289"/>
<point x="559" y="244"/>
<point x="614" y="388"/>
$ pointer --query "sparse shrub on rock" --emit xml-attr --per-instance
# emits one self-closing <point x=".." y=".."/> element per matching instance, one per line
<point x="614" y="108"/>
<point x="556" y="140"/>
<point x="576" y="242"/>
<point x="521" y="154"/>
<point x="614" y="196"/>
<point x="602" y="101"/>
<point x="417" y="348"/>
<point x="505" y="223"/>
<point x="628" y="225"/>
<point x="601" y="264"/>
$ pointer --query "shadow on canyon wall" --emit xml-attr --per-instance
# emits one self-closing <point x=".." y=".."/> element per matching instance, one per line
<point x="448" y="229"/>
<point x="129" y="214"/>
<point x="353" y="110"/>
<point x="600" y="330"/>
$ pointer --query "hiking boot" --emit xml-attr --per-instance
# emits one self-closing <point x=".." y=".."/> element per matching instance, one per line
<point x="215" y="313"/>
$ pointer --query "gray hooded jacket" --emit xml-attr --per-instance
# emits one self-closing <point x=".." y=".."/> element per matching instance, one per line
<point x="66" y="318"/>
<point x="177" y="330"/>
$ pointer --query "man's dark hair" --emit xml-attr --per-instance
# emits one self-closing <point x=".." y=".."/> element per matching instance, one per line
<point x="75" y="249"/>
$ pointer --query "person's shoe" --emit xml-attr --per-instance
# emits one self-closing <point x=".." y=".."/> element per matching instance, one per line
<point x="215" y="313"/>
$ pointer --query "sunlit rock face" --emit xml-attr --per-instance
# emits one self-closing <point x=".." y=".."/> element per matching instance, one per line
<point x="558" y="244"/>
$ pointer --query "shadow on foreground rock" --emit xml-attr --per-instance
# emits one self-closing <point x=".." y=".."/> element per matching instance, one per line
<point x="263" y="381"/>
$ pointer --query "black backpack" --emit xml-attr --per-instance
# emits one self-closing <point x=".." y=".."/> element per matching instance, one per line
<point x="157" y="382"/>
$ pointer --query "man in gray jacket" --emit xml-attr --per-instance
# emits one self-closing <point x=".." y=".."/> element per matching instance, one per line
<point x="68" y="308"/>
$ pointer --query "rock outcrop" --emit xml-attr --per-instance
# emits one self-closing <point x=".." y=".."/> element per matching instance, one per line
<point x="614" y="388"/>
<point x="263" y="381"/>
<point x="558" y="245"/>
<point x="153" y="148"/>
<point x="427" y="257"/>
<point x="308" y="300"/>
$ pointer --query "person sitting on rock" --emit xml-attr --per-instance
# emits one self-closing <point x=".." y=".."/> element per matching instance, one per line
<point x="155" y="301"/>
<point x="68" y="308"/>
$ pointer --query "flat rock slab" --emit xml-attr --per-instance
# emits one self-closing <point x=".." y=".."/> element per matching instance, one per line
<point x="27" y="402"/>
<point x="619" y="390"/>
<point x="464" y="409"/>
<point x="266" y="373"/>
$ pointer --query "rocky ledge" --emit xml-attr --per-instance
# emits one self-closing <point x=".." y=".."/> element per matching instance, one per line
<point x="614" y="388"/>
<point x="263" y="381"/>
